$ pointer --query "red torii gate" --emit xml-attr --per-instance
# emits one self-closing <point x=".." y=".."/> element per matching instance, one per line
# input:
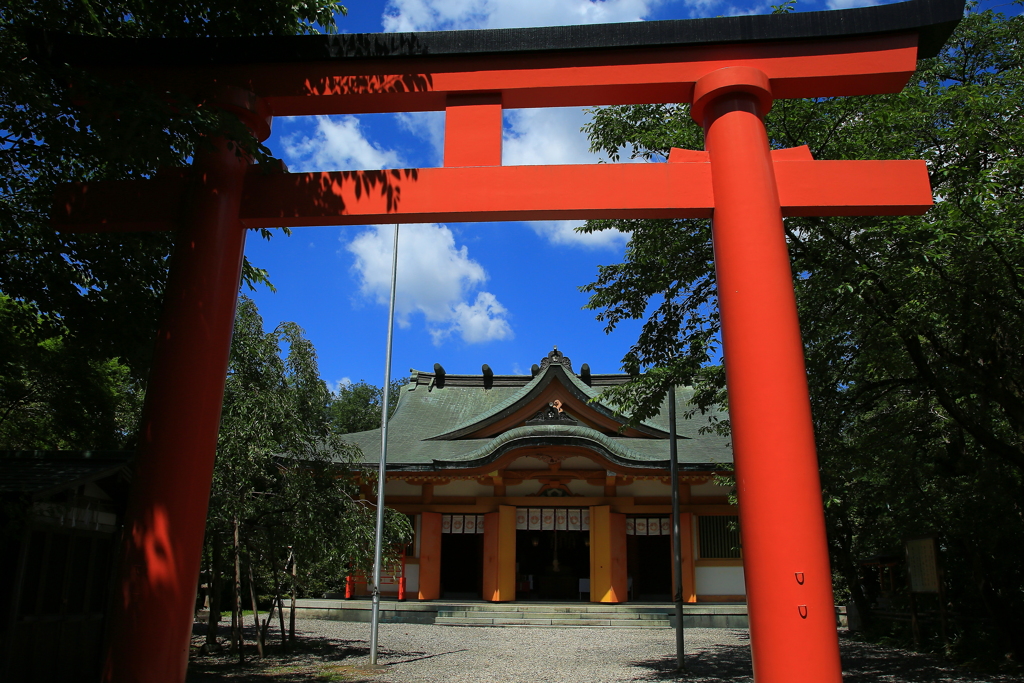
<point x="730" y="69"/>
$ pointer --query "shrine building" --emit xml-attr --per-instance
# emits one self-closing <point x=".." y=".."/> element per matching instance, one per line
<point x="531" y="488"/>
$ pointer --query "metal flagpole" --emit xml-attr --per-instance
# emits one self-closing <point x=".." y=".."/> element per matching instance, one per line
<point x="381" y="472"/>
<point x="677" y="533"/>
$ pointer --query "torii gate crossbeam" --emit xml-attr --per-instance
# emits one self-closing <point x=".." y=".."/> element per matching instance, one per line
<point x="730" y="69"/>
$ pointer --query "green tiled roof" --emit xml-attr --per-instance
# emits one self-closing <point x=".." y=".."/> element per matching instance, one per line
<point x="435" y="410"/>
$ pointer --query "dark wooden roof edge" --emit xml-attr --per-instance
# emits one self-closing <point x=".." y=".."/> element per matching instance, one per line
<point x="933" y="20"/>
<point x="440" y="466"/>
<point x="421" y="378"/>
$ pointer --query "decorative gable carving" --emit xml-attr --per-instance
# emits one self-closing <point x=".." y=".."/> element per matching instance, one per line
<point x="552" y="414"/>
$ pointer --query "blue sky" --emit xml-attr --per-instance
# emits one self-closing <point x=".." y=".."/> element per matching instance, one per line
<point x="468" y="293"/>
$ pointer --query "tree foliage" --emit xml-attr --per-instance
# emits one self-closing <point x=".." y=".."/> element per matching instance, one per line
<point x="911" y="325"/>
<point x="103" y="291"/>
<point x="356" y="407"/>
<point x="282" y="473"/>
<point x="55" y="395"/>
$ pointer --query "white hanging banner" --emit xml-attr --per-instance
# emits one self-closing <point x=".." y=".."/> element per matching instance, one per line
<point x="547" y="519"/>
<point x="561" y="520"/>
<point x="574" y="520"/>
<point x="522" y="519"/>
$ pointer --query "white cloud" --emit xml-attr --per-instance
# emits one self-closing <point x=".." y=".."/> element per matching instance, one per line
<point x="427" y="125"/>
<point x="335" y="387"/>
<point x="846" y="4"/>
<point x="435" y="278"/>
<point x="482" y="321"/>
<point x="545" y="136"/>
<point x="337" y="144"/>
<point x="564" y="233"/>
<point x="433" y="15"/>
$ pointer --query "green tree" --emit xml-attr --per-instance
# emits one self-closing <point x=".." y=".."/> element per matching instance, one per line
<point x="284" y="485"/>
<point x="356" y="407"/>
<point x="103" y="292"/>
<point x="911" y="324"/>
<point x="55" y="395"/>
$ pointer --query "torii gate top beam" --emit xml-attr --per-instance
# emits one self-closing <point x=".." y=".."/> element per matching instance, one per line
<point x="629" y="63"/>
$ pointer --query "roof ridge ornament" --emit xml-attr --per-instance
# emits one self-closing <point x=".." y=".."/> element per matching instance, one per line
<point x="558" y="358"/>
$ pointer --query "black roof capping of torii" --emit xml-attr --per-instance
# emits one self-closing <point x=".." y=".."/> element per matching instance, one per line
<point x="932" y="20"/>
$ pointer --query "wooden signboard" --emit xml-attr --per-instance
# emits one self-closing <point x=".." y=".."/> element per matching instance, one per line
<point x="923" y="565"/>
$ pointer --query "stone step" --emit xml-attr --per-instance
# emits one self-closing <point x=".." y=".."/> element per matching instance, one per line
<point x="515" y="614"/>
<point x="579" y="623"/>
<point x="571" y="609"/>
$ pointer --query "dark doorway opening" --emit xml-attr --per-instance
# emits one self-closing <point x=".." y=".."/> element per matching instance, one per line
<point x="462" y="566"/>
<point x="550" y="564"/>
<point x="649" y="565"/>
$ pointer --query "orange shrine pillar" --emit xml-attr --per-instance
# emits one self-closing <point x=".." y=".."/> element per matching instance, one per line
<point x="786" y="565"/>
<point x="689" y="572"/>
<point x="430" y="556"/>
<point x="154" y="602"/>
<point x="500" y="555"/>
<point x="608" y="582"/>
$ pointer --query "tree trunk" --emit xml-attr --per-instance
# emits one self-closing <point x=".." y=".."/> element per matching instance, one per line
<point x="291" y="617"/>
<point x="265" y="626"/>
<point x="213" y="620"/>
<point x="238" y="638"/>
<point x="280" y="607"/>
<point x="849" y="568"/>
<point x="255" y="610"/>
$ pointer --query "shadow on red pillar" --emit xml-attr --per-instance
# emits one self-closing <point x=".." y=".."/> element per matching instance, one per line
<point x="785" y="554"/>
<point x="153" y="605"/>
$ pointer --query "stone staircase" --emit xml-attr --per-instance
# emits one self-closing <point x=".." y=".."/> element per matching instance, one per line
<point x="520" y="614"/>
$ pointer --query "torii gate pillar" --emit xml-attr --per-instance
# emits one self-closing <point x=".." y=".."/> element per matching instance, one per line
<point x="162" y="546"/>
<point x="785" y="555"/>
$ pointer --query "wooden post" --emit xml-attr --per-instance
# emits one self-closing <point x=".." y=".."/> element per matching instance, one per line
<point x="608" y="581"/>
<point x="500" y="555"/>
<point x="430" y="556"/>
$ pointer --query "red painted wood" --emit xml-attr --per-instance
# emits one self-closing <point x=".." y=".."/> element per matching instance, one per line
<point x="792" y="624"/>
<point x="152" y="611"/>
<point x="430" y="556"/>
<point x="499" y="193"/>
<point x="472" y="130"/>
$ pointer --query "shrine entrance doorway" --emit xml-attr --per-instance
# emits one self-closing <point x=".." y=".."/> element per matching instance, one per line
<point x="551" y="565"/>
<point x="649" y="558"/>
<point x="462" y="557"/>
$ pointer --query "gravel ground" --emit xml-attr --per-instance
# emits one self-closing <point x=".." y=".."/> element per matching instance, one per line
<point x="418" y="653"/>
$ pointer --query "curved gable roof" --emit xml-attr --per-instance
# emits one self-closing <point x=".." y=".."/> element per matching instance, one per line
<point x="519" y="402"/>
